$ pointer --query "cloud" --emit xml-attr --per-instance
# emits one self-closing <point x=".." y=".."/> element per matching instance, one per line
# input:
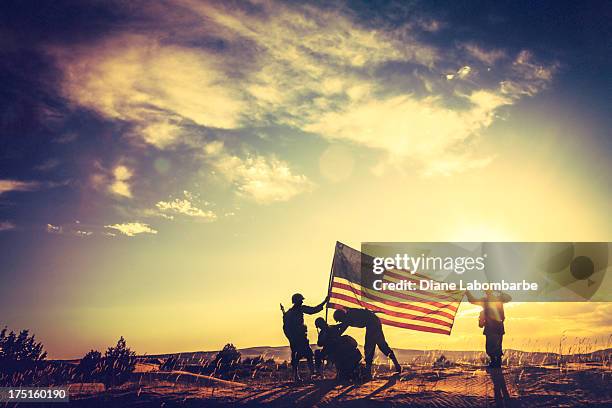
<point x="132" y="228"/>
<point x="487" y="56"/>
<point x="15" y="185"/>
<point x="184" y="206"/>
<point x="120" y="185"/>
<point x="7" y="226"/>
<point x="115" y="181"/>
<point x="423" y="130"/>
<point x="310" y="59"/>
<point x="461" y="73"/>
<point x="155" y="86"/>
<point x="262" y="179"/>
<point x="269" y="69"/>
<point x="528" y="77"/>
<point x="314" y="69"/>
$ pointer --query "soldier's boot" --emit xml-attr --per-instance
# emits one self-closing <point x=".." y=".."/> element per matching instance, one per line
<point x="398" y="367"/>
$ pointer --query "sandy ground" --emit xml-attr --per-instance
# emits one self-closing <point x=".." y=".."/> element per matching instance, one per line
<point x="452" y="387"/>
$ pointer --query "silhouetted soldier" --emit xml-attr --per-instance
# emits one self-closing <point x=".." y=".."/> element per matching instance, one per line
<point x="339" y="349"/>
<point x="297" y="333"/>
<point x="492" y="319"/>
<point x="374" y="335"/>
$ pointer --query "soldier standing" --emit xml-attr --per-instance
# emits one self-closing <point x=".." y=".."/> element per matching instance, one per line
<point x="492" y="319"/>
<point x="297" y="332"/>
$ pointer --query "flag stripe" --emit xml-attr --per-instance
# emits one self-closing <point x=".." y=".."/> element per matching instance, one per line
<point x="415" y="327"/>
<point x="433" y="293"/>
<point x="402" y="325"/>
<point x="341" y="298"/>
<point x="417" y="310"/>
<point x="406" y="316"/>
<point x="352" y="303"/>
<point x="399" y="298"/>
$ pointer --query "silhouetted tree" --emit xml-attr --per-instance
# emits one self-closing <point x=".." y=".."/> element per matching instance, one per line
<point x="20" y="358"/>
<point x="90" y="367"/>
<point x="118" y="363"/>
<point x="226" y="358"/>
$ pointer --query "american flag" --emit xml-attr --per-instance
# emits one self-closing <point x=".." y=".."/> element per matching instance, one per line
<point x="429" y="311"/>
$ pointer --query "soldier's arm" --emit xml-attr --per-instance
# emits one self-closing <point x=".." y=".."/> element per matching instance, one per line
<point x="314" y="309"/>
<point x="311" y="309"/>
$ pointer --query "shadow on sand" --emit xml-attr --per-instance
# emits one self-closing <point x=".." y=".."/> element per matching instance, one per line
<point x="500" y="390"/>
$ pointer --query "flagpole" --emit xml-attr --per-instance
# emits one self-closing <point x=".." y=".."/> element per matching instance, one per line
<point x="331" y="277"/>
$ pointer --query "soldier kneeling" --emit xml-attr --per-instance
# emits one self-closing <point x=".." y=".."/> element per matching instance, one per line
<point x="341" y="350"/>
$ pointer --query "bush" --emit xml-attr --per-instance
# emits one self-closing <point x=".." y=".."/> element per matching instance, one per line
<point x="442" y="362"/>
<point x="90" y="367"/>
<point x="21" y="358"/>
<point x="226" y="358"/>
<point x="118" y="364"/>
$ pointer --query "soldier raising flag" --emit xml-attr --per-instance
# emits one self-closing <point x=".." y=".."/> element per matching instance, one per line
<point x="297" y="332"/>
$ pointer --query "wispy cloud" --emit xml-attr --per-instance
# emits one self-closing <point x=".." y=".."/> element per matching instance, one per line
<point x="186" y="207"/>
<point x="120" y="184"/>
<point x="131" y="229"/>
<point x="155" y="86"/>
<point x="116" y="181"/>
<point x="425" y="130"/>
<point x="488" y="56"/>
<point x="314" y="69"/>
<point x="15" y="185"/>
<point x="527" y="76"/>
<point x="262" y="179"/>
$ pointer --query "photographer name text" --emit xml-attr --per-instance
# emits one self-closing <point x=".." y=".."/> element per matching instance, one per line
<point x="474" y="285"/>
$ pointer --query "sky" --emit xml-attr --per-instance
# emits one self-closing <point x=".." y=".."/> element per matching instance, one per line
<point x="170" y="171"/>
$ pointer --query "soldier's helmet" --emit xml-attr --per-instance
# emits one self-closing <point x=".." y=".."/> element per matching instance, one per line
<point x="339" y="315"/>
<point x="297" y="298"/>
<point x="320" y="322"/>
